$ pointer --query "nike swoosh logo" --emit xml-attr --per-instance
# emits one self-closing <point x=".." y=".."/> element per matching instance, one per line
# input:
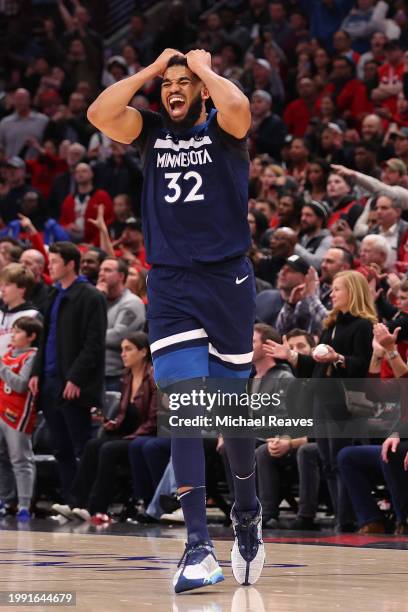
<point x="238" y="281"/>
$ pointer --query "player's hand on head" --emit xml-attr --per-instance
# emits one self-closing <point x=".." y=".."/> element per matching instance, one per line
<point x="163" y="59"/>
<point x="197" y="58"/>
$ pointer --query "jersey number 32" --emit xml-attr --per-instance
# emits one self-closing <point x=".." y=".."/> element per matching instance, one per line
<point x="174" y="188"/>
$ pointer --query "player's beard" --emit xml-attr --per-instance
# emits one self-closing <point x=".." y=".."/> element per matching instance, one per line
<point x="191" y="118"/>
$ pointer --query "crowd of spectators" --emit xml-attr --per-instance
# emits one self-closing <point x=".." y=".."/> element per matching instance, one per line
<point x="328" y="199"/>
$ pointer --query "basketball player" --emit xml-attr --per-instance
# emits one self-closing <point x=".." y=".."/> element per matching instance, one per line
<point x="201" y="287"/>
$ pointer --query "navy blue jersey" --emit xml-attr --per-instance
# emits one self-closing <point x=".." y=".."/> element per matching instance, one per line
<point x="195" y="193"/>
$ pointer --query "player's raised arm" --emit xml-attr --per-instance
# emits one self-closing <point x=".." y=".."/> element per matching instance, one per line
<point x="234" y="115"/>
<point x="110" y="112"/>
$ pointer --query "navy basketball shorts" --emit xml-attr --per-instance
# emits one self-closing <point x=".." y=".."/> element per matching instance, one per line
<point x="201" y="320"/>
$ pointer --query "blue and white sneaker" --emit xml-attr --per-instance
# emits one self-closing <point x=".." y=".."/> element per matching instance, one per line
<point x="198" y="567"/>
<point x="3" y="509"/>
<point x="248" y="552"/>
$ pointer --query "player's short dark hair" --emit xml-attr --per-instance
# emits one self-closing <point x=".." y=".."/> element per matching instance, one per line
<point x="267" y="332"/>
<point x="141" y="341"/>
<point x="30" y="326"/>
<point x="177" y="60"/>
<point x="301" y="332"/>
<point x="68" y="252"/>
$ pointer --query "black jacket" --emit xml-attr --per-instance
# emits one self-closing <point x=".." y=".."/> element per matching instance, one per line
<point x="40" y="296"/>
<point x="81" y="331"/>
<point x="353" y="339"/>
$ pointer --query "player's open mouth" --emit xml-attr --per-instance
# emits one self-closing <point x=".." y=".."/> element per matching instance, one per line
<point x="177" y="105"/>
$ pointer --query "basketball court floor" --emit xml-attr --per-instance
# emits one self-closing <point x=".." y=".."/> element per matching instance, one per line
<point x="127" y="567"/>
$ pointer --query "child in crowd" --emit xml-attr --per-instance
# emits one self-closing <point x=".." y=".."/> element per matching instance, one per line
<point x="17" y="284"/>
<point x="17" y="415"/>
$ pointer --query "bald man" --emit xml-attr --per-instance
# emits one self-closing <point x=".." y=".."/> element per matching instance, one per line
<point x="21" y="125"/>
<point x="267" y="134"/>
<point x="372" y="131"/>
<point x="34" y="260"/>
<point x="282" y="243"/>
<point x="64" y="184"/>
<point x="82" y="205"/>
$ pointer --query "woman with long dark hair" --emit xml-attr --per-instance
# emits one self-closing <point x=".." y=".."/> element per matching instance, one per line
<point x="321" y="68"/>
<point x="258" y="225"/>
<point x="316" y="180"/>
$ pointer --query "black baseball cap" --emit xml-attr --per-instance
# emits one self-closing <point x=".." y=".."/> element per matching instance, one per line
<point x="297" y="263"/>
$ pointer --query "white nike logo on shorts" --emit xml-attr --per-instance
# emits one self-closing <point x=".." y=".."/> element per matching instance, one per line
<point x="238" y="281"/>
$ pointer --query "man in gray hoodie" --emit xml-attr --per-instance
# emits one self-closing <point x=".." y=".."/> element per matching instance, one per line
<point x="126" y="315"/>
